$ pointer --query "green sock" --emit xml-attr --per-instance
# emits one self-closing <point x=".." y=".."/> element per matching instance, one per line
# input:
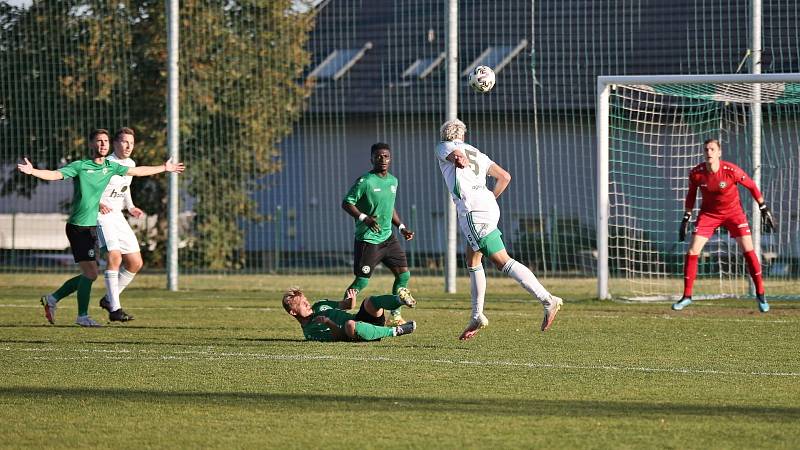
<point x="67" y="288"/>
<point x="359" y="284"/>
<point x="400" y="281"/>
<point x="370" y="332"/>
<point x="386" y="301"/>
<point x="84" y="295"/>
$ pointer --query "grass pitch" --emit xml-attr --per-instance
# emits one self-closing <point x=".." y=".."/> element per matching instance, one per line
<point x="222" y="365"/>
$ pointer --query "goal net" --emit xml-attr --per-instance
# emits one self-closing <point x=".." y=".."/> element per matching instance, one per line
<point x="650" y="134"/>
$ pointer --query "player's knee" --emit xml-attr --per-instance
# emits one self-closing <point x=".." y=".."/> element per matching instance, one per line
<point x="134" y="266"/>
<point x="350" y="328"/>
<point x="693" y="252"/>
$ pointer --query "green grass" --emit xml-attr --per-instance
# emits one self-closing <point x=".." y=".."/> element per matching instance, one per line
<point x="222" y="365"/>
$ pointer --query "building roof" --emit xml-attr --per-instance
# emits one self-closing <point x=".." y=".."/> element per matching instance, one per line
<point x="565" y="45"/>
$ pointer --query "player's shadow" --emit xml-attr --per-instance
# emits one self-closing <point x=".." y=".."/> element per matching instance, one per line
<point x="509" y="407"/>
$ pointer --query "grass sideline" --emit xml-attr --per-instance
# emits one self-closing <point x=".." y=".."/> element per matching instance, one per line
<point x="221" y="365"/>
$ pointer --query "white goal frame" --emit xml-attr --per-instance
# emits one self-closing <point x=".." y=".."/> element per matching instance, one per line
<point x="604" y="85"/>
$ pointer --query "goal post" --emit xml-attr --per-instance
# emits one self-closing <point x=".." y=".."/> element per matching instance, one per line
<point x="650" y="131"/>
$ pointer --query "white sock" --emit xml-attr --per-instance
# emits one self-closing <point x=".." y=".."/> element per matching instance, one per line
<point x="112" y="289"/>
<point x="477" y="287"/>
<point x="526" y="279"/>
<point x="125" y="279"/>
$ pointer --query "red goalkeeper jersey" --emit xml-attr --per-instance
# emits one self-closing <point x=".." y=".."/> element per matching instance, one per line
<point x="720" y="194"/>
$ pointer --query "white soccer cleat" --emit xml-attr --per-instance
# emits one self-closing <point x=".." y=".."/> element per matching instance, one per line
<point x="474" y="326"/>
<point x="86" y="321"/>
<point x="551" y="308"/>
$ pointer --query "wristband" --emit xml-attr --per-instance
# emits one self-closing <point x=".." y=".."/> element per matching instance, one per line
<point x="401" y="227"/>
<point x="361" y="217"/>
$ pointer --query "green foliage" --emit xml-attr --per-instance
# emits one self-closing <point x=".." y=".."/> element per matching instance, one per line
<point x="79" y="65"/>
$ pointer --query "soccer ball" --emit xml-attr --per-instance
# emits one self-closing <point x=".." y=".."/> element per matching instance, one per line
<point x="481" y="79"/>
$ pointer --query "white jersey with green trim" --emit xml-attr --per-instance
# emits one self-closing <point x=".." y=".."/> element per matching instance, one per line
<point x="467" y="186"/>
<point x="117" y="194"/>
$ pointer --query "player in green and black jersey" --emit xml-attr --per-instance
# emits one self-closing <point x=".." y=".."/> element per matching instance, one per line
<point x="328" y="320"/>
<point x="370" y="201"/>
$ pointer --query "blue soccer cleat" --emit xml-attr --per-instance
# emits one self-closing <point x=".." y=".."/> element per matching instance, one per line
<point x="763" y="306"/>
<point x="682" y="303"/>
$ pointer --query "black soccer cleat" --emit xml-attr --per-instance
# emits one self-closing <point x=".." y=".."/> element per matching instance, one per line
<point x="105" y="304"/>
<point x="406" y="328"/>
<point x="119" y="316"/>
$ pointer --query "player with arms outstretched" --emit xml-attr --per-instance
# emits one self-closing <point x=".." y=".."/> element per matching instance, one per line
<point x="465" y="169"/>
<point x="717" y="180"/>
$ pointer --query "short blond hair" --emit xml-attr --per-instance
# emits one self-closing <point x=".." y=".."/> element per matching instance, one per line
<point x="290" y="295"/>
<point x="453" y="130"/>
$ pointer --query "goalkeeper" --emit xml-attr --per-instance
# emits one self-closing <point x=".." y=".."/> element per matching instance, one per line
<point x="328" y="320"/>
<point x="717" y="180"/>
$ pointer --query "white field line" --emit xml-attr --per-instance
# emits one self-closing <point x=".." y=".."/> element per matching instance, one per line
<point x="143" y="355"/>
<point x="664" y="316"/>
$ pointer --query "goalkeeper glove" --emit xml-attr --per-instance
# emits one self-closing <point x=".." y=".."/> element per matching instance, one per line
<point x="684" y="226"/>
<point x="767" y="222"/>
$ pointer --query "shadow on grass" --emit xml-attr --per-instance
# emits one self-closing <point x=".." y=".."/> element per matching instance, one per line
<point x="409" y="405"/>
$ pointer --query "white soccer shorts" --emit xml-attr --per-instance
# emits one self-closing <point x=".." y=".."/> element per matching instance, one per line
<point x="476" y="225"/>
<point x="114" y="233"/>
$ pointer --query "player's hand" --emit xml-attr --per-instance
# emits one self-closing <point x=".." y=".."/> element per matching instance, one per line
<point x="684" y="226"/>
<point x="170" y="166"/>
<point x="408" y="234"/>
<point x="767" y="221"/>
<point x="104" y="209"/>
<point x="372" y="224"/>
<point x="458" y="158"/>
<point x="321" y="319"/>
<point x="26" y="167"/>
<point x="136" y="212"/>
<point x="351" y="294"/>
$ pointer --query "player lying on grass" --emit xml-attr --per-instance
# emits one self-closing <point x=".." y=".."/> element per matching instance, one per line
<point x="717" y="180"/>
<point x="328" y="320"/>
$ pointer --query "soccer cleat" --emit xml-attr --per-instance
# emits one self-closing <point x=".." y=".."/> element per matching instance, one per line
<point x="682" y="303"/>
<point x="86" y="321"/>
<point x="105" y="304"/>
<point x="406" y="328"/>
<point x="395" y="319"/>
<point x="552" y="308"/>
<point x="50" y="305"/>
<point x="405" y="297"/>
<point x="474" y="326"/>
<point x="119" y="316"/>
<point x="763" y="306"/>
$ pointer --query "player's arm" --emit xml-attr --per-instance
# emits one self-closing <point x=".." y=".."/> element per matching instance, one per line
<point x="338" y="333"/>
<point x="349" y="300"/>
<point x="144" y="171"/>
<point x="47" y="175"/>
<point x="503" y="179"/>
<point x="767" y="220"/>
<point x="360" y="216"/>
<point x="458" y="158"/>
<point x="688" y="206"/>
<point x="128" y="204"/>
<point x="408" y="234"/>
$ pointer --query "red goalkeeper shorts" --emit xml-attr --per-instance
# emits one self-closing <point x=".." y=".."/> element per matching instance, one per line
<point x="735" y="223"/>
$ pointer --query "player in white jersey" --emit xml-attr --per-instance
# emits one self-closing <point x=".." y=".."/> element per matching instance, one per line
<point x="465" y="169"/>
<point x="114" y="232"/>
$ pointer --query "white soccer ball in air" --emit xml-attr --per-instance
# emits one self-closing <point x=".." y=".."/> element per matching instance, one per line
<point x="481" y="79"/>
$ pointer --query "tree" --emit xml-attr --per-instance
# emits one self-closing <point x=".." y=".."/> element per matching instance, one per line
<point x="104" y="63"/>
